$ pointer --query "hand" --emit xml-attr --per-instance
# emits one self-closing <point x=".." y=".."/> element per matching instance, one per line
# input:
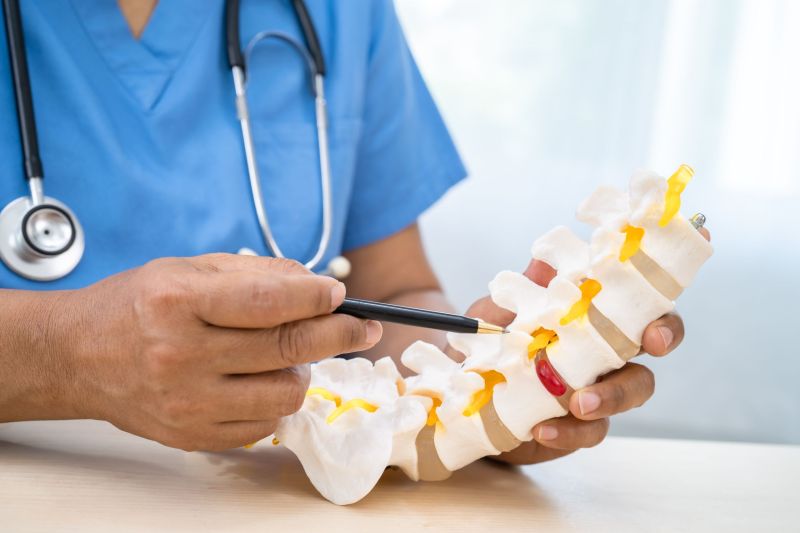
<point x="207" y="352"/>
<point x="586" y="424"/>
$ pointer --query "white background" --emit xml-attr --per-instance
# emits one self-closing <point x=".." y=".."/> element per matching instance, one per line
<point x="546" y="100"/>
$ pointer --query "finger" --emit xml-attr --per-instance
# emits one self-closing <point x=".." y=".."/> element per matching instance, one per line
<point x="569" y="433"/>
<point x="663" y="335"/>
<point x="619" y="391"/>
<point x="529" y="453"/>
<point x="540" y="272"/>
<point x="239" y="351"/>
<point x="227" y="435"/>
<point x="230" y="262"/>
<point x="216" y="436"/>
<point x="253" y="299"/>
<point x="265" y="396"/>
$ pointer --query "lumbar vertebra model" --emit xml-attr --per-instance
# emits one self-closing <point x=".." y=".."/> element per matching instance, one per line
<point x="360" y="417"/>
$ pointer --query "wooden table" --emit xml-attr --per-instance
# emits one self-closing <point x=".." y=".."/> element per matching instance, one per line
<point x="87" y="476"/>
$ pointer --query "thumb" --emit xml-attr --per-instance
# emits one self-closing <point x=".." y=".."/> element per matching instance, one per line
<point x="487" y="310"/>
<point x="540" y="272"/>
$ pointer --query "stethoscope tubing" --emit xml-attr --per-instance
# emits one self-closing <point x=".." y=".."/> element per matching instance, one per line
<point x="233" y="37"/>
<point x="312" y="55"/>
<point x="22" y="90"/>
<point x="22" y="254"/>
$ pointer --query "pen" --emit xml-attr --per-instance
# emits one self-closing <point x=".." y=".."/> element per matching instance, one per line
<point x="412" y="316"/>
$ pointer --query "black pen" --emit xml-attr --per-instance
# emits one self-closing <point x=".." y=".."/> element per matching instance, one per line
<point x="412" y="316"/>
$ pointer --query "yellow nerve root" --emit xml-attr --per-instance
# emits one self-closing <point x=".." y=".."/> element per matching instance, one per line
<point x="589" y="289"/>
<point x="351" y="404"/>
<point x="633" y="241"/>
<point x="325" y="393"/>
<point x="340" y="407"/>
<point x="541" y="339"/>
<point x="482" y="397"/>
<point x="433" y="418"/>
<point x="675" y="186"/>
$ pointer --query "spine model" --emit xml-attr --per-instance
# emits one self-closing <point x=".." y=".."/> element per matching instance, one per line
<point x="359" y="417"/>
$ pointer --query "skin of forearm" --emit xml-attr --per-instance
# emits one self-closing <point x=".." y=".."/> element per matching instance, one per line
<point x="35" y="370"/>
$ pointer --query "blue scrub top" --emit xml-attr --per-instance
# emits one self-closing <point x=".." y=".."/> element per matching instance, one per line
<point x="140" y="138"/>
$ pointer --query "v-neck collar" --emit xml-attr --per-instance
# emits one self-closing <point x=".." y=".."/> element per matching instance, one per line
<point x="144" y="66"/>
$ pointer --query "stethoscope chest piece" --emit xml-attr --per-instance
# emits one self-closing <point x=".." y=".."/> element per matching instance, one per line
<point x="41" y="242"/>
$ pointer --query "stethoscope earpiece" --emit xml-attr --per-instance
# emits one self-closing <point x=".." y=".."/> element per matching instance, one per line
<point x="339" y="267"/>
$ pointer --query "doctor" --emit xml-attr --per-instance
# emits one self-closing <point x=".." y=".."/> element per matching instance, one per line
<point x="159" y="327"/>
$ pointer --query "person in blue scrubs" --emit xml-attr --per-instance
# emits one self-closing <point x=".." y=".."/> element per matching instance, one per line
<point x="162" y="329"/>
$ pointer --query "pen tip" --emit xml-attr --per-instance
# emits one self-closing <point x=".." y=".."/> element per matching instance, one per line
<point x="485" y="327"/>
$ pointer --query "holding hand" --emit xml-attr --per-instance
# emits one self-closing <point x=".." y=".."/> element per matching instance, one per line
<point x="207" y="352"/>
<point x="587" y="423"/>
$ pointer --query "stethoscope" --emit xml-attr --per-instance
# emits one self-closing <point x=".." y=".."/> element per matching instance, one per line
<point x="41" y="238"/>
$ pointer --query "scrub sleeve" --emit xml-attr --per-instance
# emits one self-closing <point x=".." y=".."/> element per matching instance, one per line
<point x="406" y="157"/>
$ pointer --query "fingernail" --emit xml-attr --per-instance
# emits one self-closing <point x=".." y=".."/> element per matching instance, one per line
<point x="374" y="331"/>
<point x="588" y="402"/>
<point x="667" y="335"/>
<point x="337" y="295"/>
<point x="547" y="433"/>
